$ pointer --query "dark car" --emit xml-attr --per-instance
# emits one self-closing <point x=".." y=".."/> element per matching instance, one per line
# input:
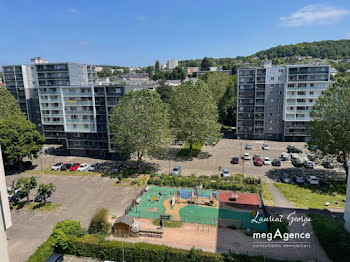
<point x="276" y="162"/>
<point x="27" y="165"/>
<point x="116" y="168"/>
<point x="294" y="150"/>
<point x="234" y="160"/>
<point x="65" y="167"/>
<point x="328" y="164"/>
<point x="299" y="180"/>
<point x="285" y="178"/>
<point x="39" y="198"/>
<point x="296" y="162"/>
<point x="55" y="258"/>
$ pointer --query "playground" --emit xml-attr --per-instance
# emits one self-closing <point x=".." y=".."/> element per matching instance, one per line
<point x="218" y="208"/>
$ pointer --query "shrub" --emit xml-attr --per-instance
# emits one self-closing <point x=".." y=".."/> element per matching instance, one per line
<point x="44" y="251"/>
<point x="99" y="223"/>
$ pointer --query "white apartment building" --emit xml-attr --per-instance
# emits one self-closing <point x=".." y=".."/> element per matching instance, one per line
<point x="172" y="63"/>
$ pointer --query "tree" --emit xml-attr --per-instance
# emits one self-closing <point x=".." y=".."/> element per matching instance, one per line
<point x="149" y="71"/>
<point x="206" y="64"/>
<point x="8" y="105"/>
<point x="156" y="67"/>
<point x="25" y="185"/>
<point x="140" y="125"/>
<point x="99" y="222"/>
<point x="165" y="91"/>
<point x="330" y="126"/>
<point x="194" y="114"/>
<point x="46" y="190"/>
<point x="227" y="105"/>
<point x="19" y="138"/>
<point x="217" y="83"/>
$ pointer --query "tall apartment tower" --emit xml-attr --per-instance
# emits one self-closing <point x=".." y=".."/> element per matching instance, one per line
<point x="172" y="63"/>
<point x="274" y="103"/>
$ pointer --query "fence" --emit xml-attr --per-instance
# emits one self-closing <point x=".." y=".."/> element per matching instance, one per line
<point x="129" y="207"/>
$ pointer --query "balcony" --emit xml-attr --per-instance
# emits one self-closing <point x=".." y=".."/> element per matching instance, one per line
<point x="78" y="112"/>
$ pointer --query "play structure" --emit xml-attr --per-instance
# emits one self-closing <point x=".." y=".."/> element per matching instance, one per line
<point x="221" y="208"/>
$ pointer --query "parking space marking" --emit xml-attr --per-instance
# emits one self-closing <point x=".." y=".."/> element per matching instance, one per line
<point x="33" y="217"/>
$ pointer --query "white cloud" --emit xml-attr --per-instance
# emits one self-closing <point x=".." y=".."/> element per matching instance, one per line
<point x="72" y="10"/>
<point x="318" y="14"/>
<point x="83" y="42"/>
<point x="140" y="18"/>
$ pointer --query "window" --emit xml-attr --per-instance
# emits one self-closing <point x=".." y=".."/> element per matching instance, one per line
<point x="272" y="78"/>
<point x="271" y="100"/>
<point x="311" y="93"/>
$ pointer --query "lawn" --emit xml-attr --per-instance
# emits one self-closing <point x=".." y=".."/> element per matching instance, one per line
<point x="33" y="206"/>
<point x="266" y="194"/>
<point x="332" y="237"/>
<point x="166" y="223"/>
<point x="48" y="171"/>
<point x="185" y="150"/>
<point x="314" y="196"/>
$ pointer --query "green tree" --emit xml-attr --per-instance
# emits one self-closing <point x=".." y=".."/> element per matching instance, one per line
<point x="194" y="114"/>
<point x="8" y="105"/>
<point x="149" y="71"/>
<point x="206" y="64"/>
<point x="19" y="138"/>
<point x="330" y="126"/>
<point x="228" y="103"/>
<point x="165" y="91"/>
<point x="99" y="222"/>
<point x="46" y="190"/>
<point x="217" y="83"/>
<point x="157" y="66"/>
<point x="140" y="125"/>
<point x="25" y="185"/>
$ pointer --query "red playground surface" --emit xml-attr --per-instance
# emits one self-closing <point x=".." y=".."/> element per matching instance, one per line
<point x="239" y="200"/>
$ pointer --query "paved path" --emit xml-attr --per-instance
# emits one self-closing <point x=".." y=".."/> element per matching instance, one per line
<point x="278" y="197"/>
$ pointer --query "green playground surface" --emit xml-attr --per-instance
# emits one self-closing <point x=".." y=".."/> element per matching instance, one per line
<point x="148" y="208"/>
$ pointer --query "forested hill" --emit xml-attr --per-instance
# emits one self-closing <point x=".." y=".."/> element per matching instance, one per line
<point x="329" y="49"/>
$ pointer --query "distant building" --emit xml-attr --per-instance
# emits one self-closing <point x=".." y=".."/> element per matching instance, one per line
<point x="162" y="67"/>
<point x="274" y="103"/>
<point x="333" y="71"/>
<point x="173" y="83"/>
<point x="103" y="80"/>
<point x="98" y="68"/>
<point x="347" y="203"/>
<point x="192" y="69"/>
<point x="347" y="72"/>
<point x="172" y="63"/>
<point x="38" y="60"/>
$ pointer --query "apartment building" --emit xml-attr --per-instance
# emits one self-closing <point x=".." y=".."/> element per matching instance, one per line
<point x="172" y="63"/>
<point x="274" y="103"/>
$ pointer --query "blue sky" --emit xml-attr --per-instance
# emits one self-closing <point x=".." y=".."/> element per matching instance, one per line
<point x="136" y="33"/>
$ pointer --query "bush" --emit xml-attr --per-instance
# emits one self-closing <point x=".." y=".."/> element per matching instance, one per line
<point x="99" y="223"/>
<point x="44" y="251"/>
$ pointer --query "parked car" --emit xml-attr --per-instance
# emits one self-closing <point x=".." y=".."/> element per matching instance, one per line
<point x="39" y="198"/>
<point x="294" y="156"/>
<point x="83" y="167"/>
<point x="276" y="162"/>
<point x="178" y="142"/>
<point x="55" y="258"/>
<point x="258" y="162"/>
<point x="312" y="180"/>
<point x="27" y="165"/>
<point x="290" y="146"/>
<point x="285" y="178"/>
<point x="246" y="156"/>
<point x="267" y="161"/>
<point x="285" y="157"/>
<point x="311" y="156"/>
<point x="255" y="157"/>
<point x="74" y="167"/>
<point x="324" y="183"/>
<point x="248" y="147"/>
<point x="65" y="167"/>
<point x="265" y="147"/>
<point x="299" y="180"/>
<point x="116" y="168"/>
<point x="296" y="162"/>
<point x="234" y="160"/>
<point x="294" y="150"/>
<point x="308" y="164"/>
<point x="57" y="166"/>
<point x="225" y="173"/>
<point x="176" y="171"/>
<point x="93" y="167"/>
<point x="328" y="164"/>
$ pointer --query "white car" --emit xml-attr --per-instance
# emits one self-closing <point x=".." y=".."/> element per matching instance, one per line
<point x="93" y="167"/>
<point x="246" y="156"/>
<point x="312" y="180"/>
<point x="57" y="166"/>
<point x="225" y="173"/>
<point x="265" y="147"/>
<point x="267" y="161"/>
<point x="83" y="167"/>
<point x="294" y="156"/>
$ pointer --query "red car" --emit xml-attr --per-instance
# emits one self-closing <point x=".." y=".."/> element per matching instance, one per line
<point x="258" y="162"/>
<point x="74" y="167"/>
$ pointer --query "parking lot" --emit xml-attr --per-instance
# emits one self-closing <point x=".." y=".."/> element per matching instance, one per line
<point x="79" y="198"/>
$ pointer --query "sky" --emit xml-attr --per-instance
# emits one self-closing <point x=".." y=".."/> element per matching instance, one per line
<point x="137" y="33"/>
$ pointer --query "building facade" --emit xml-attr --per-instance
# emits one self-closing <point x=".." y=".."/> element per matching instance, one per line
<point x="172" y="63"/>
<point x="274" y="103"/>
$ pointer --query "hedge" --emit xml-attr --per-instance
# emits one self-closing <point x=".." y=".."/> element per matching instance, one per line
<point x="44" y="251"/>
<point x="99" y="223"/>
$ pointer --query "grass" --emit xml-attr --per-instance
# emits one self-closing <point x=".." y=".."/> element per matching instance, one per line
<point x="47" y="171"/>
<point x="33" y="206"/>
<point x="266" y="194"/>
<point x="168" y="223"/>
<point x="314" y="196"/>
<point x="332" y="237"/>
<point x="185" y="150"/>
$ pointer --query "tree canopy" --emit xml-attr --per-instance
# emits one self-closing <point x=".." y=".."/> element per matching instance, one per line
<point x="25" y="185"/>
<point x="8" y="105"/>
<point x="228" y="104"/>
<point x="165" y="91"/>
<point x="206" y="64"/>
<point x="217" y="83"/>
<point x="194" y="114"/>
<point x="46" y="190"/>
<point x="330" y="126"/>
<point x="140" y="125"/>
